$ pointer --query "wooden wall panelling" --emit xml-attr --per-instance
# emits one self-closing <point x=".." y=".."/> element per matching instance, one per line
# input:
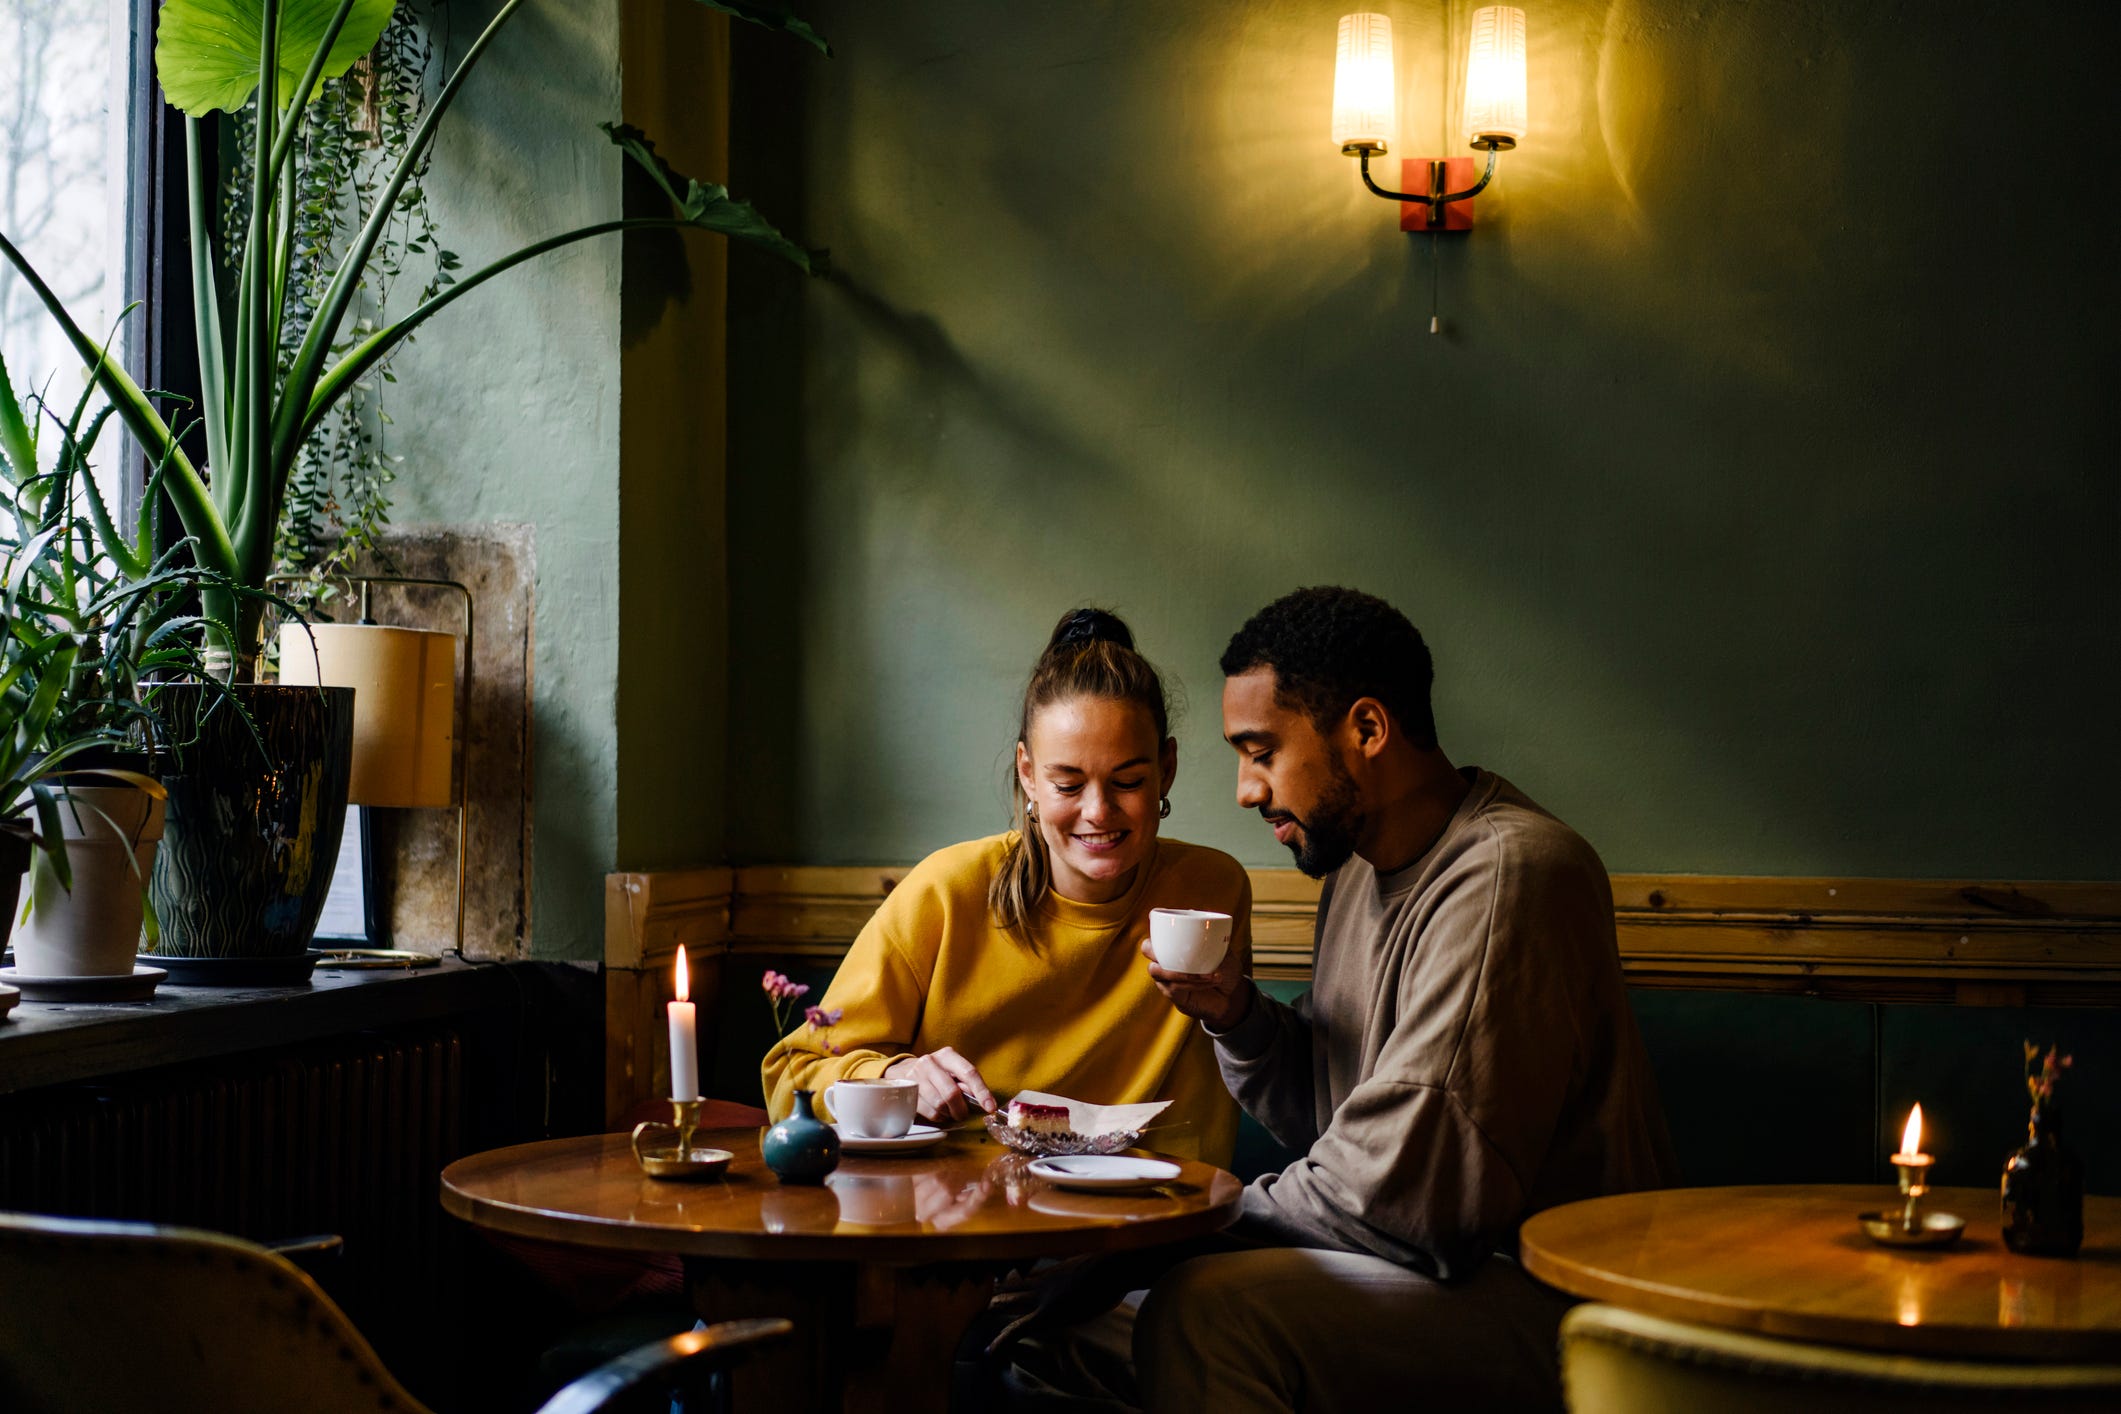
<point x="1927" y="940"/>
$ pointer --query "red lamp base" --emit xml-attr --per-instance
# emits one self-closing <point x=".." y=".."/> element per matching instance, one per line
<point x="1436" y="175"/>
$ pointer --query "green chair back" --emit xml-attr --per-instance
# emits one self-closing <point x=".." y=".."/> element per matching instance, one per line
<point x="1615" y="1361"/>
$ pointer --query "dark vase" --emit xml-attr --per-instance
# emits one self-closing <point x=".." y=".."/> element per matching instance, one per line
<point x="801" y="1148"/>
<point x="2043" y="1194"/>
<point x="254" y="819"/>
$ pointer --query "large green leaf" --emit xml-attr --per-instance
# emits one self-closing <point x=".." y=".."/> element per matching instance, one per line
<point x="773" y="15"/>
<point x="708" y="205"/>
<point x="206" y="52"/>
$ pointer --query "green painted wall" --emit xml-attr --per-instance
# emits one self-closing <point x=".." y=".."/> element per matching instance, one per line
<point x="507" y="409"/>
<point x="1756" y="500"/>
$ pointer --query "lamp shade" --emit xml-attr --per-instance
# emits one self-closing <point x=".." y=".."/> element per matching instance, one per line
<point x="1495" y="77"/>
<point x="1364" y="96"/>
<point x="405" y="688"/>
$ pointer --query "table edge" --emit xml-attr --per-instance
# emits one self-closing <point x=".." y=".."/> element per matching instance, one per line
<point x="882" y="1248"/>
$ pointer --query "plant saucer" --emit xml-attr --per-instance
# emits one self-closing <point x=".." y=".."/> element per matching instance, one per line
<point x="135" y="986"/>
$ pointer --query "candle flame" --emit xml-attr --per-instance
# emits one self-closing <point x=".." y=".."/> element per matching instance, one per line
<point x="684" y="978"/>
<point x="1911" y="1137"/>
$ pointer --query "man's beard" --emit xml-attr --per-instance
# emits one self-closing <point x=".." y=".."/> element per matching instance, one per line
<point x="1330" y="829"/>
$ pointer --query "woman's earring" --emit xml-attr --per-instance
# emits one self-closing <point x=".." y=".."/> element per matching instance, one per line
<point x="1163" y="811"/>
<point x="1030" y="813"/>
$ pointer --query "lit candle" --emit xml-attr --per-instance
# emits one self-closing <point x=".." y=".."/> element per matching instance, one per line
<point x="1914" y="1166"/>
<point x="684" y="1039"/>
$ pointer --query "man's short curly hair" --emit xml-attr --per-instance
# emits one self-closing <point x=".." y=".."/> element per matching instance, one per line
<point x="1330" y="646"/>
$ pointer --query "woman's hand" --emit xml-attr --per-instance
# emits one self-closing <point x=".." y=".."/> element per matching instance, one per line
<point x="1219" y="999"/>
<point x="951" y="1087"/>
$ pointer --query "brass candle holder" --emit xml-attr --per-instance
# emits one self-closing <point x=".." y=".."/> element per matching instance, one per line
<point x="677" y="1160"/>
<point x="1910" y="1226"/>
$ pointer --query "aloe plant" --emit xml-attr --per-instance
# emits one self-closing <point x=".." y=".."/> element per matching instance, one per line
<point x="92" y="620"/>
<point x="216" y="55"/>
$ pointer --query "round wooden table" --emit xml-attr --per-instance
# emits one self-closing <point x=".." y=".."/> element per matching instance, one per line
<point x="1791" y="1261"/>
<point x="882" y="1268"/>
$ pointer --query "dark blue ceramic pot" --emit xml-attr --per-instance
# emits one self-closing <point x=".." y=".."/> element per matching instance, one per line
<point x="252" y="835"/>
<point x="801" y="1148"/>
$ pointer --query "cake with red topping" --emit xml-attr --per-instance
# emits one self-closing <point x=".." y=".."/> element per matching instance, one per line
<point x="1038" y="1119"/>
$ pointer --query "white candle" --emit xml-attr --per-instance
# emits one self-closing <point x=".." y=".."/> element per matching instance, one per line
<point x="684" y="1039"/>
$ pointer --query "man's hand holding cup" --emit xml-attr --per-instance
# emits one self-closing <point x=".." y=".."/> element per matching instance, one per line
<point x="1192" y="964"/>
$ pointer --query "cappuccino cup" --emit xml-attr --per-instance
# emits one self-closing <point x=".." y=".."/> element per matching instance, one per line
<point x="873" y="1109"/>
<point x="1188" y="939"/>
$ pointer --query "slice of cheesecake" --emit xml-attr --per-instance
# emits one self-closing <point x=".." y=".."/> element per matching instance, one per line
<point x="1038" y="1119"/>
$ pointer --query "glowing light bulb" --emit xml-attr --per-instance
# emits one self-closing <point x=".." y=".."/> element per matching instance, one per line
<point x="1364" y="94"/>
<point x="1495" y="77"/>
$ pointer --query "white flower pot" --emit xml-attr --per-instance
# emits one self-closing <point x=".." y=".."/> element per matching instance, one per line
<point x="94" y="931"/>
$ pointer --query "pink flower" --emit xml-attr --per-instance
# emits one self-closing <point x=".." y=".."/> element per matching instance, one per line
<point x="782" y="994"/>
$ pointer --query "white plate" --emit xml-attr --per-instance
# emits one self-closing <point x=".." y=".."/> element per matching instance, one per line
<point x="1107" y="1171"/>
<point x="918" y="1137"/>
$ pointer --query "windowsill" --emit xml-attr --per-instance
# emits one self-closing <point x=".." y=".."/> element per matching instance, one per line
<point x="53" y="1043"/>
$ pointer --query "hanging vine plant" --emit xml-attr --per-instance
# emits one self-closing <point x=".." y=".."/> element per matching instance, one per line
<point x="359" y="129"/>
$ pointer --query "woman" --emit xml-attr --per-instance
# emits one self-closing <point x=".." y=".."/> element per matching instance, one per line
<point x="1010" y="963"/>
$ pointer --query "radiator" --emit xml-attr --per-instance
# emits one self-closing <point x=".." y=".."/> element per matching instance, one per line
<point x="346" y="1136"/>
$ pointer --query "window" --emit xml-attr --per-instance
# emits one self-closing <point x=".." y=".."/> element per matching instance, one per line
<point x="80" y="128"/>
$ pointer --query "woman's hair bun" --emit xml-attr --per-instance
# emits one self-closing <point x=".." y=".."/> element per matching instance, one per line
<point x="1090" y="626"/>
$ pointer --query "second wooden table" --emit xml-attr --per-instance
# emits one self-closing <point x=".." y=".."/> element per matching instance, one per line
<point x="1790" y="1261"/>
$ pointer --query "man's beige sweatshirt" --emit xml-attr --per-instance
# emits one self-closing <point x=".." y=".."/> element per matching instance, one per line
<point x="1465" y="1057"/>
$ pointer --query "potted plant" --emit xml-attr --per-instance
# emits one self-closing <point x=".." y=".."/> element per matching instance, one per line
<point x="95" y="622"/>
<point x="251" y="884"/>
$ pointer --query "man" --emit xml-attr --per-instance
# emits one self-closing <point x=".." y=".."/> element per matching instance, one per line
<point x="1465" y="1057"/>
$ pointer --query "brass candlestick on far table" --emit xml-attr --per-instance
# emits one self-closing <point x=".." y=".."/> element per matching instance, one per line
<point x="1911" y="1227"/>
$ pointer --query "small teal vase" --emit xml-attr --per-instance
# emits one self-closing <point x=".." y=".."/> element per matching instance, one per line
<point x="801" y="1148"/>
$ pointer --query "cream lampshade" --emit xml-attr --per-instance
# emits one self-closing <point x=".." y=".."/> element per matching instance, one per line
<point x="1365" y="101"/>
<point x="404" y="682"/>
<point x="1495" y="77"/>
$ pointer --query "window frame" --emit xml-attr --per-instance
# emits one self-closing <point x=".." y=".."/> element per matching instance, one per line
<point x="165" y="356"/>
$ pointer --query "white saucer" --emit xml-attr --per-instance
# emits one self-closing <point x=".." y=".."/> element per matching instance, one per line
<point x="1107" y="1171"/>
<point x="918" y="1137"/>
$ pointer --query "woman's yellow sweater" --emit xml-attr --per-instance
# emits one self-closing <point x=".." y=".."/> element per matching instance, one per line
<point x="1075" y="1015"/>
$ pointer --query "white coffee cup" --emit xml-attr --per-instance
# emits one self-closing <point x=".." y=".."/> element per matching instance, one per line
<point x="1188" y="939"/>
<point x="873" y="1109"/>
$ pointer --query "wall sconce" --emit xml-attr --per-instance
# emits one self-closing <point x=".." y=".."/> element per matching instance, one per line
<point x="1365" y="101"/>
